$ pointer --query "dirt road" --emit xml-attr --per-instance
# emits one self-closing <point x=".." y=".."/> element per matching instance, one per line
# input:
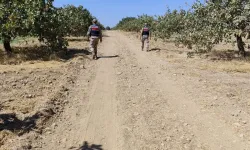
<point x="135" y="100"/>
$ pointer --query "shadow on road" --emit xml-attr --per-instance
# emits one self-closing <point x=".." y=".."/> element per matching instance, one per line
<point x="114" y="56"/>
<point x="86" y="146"/>
<point x="105" y="35"/>
<point x="155" y="49"/>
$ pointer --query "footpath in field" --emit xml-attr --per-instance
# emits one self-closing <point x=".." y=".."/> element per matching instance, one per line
<point x="133" y="100"/>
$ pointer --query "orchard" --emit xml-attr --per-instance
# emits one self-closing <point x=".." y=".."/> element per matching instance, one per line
<point x="39" y="18"/>
<point x="202" y="26"/>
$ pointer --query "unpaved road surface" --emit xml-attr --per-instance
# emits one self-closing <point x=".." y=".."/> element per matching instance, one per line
<point x="135" y="100"/>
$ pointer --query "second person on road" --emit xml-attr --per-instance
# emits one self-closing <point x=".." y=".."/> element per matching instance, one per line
<point x="94" y="35"/>
<point x="145" y="35"/>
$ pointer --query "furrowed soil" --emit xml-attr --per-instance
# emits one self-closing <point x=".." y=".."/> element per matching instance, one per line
<point x="128" y="99"/>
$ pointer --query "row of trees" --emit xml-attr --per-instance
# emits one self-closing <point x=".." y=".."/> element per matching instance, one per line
<point x="39" y="18"/>
<point x="135" y="24"/>
<point x="203" y="26"/>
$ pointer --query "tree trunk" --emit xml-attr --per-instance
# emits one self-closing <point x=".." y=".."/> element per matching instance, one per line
<point x="240" y="45"/>
<point x="7" y="46"/>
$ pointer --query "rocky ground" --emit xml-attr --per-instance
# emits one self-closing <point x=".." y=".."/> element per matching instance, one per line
<point x="127" y="99"/>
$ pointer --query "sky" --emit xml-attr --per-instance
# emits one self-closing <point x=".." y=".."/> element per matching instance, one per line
<point x="110" y="12"/>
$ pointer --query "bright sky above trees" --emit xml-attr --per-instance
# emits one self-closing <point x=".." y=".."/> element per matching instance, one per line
<point x="109" y="12"/>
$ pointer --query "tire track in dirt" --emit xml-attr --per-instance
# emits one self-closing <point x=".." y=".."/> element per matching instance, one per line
<point x="102" y="119"/>
<point x="91" y="117"/>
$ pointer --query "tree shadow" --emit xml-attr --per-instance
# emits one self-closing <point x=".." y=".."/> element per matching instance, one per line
<point x="86" y="146"/>
<point x="39" y="53"/>
<point x="32" y="53"/>
<point x="227" y="55"/>
<point x="71" y="53"/>
<point x="10" y="121"/>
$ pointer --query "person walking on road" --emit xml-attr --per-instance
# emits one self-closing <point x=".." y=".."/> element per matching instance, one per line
<point x="145" y="35"/>
<point x="94" y="35"/>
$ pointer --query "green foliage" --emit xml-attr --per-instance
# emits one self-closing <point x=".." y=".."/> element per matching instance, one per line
<point x="171" y="23"/>
<point x="16" y="19"/>
<point x="50" y="28"/>
<point x="135" y="24"/>
<point x="125" y="21"/>
<point x="215" y="21"/>
<point x="201" y="31"/>
<point x="41" y="19"/>
<point x="203" y="26"/>
<point x="77" y="20"/>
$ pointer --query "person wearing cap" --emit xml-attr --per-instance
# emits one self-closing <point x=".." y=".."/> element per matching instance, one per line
<point x="94" y="35"/>
<point x="145" y="35"/>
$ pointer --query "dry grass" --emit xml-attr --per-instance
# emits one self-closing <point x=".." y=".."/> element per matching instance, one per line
<point x="76" y="39"/>
<point x="223" y="58"/>
<point x="5" y="135"/>
<point x="30" y="50"/>
<point x="227" y="66"/>
<point x="31" y="65"/>
<point x="24" y="107"/>
<point x="31" y="53"/>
